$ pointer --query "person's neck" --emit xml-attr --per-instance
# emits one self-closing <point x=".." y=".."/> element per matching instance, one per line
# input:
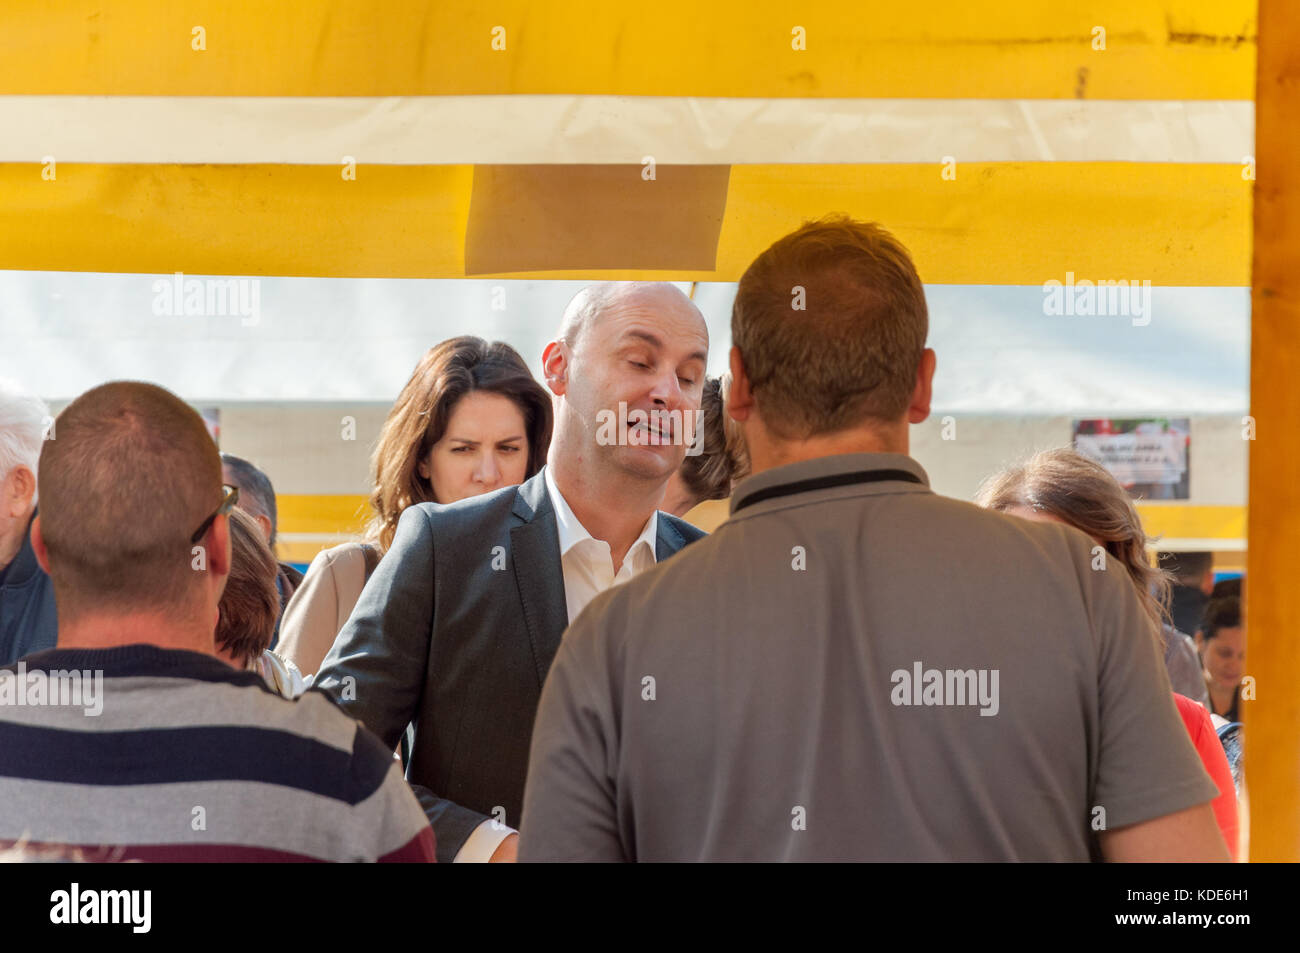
<point x="611" y="506"/>
<point x="767" y="451"/>
<point x="1221" y="697"/>
<point x="102" y="630"/>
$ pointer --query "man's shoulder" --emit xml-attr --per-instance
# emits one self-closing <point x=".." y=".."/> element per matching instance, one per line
<point x="1031" y="543"/>
<point x="470" y="513"/>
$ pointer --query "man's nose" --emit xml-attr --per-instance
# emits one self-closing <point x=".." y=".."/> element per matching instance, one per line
<point x="667" y="389"/>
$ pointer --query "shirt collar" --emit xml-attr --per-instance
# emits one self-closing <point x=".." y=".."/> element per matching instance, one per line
<point x="826" y="466"/>
<point x="572" y="532"/>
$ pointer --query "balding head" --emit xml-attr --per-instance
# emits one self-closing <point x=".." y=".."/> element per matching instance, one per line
<point x="605" y="297"/>
<point x="130" y="476"/>
<point x="626" y="350"/>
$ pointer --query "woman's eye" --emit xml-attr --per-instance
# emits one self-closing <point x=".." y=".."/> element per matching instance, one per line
<point x="641" y="365"/>
<point x="510" y="449"/>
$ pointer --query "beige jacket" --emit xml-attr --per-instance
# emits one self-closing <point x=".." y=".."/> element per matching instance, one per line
<point x="321" y="605"/>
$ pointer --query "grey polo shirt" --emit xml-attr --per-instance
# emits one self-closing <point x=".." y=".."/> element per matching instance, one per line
<point x="855" y="668"/>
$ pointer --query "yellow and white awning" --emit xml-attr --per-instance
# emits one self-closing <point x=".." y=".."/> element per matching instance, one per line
<point x="1005" y="143"/>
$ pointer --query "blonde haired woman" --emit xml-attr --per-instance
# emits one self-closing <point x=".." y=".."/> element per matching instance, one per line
<point x="470" y="420"/>
<point x="1064" y="486"/>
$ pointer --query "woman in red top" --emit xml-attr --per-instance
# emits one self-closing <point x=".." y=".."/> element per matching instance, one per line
<point x="1063" y="486"/>
<point x="1206" y="739"/>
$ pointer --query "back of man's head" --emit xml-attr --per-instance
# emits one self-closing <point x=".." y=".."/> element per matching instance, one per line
<point x="256" y="494"/>
<point x="1187" y="569"/>
<point x="831" y="322"/>
<point x="129" y="477"/>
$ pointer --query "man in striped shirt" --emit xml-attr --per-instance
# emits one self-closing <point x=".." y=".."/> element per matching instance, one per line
<point x="132" y="740"/>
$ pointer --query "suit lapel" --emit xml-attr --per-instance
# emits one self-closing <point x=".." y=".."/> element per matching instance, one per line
<point x="667" y="539"/>
<point x="539" y="573"/>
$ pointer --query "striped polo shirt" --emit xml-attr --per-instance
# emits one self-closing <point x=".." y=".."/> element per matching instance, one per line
<point x="143" y="753"/>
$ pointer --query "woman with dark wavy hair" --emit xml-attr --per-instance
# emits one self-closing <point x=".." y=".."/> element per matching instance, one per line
<point x="470" y="420"/>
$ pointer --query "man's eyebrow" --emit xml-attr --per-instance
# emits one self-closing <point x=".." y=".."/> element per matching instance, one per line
<point x="645" y="336"/>
<point x="653" y="341"/>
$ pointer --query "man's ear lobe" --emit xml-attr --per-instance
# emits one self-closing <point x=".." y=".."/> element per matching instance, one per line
<point x="555" y="367"/>
<point x="219" y="556"/>
<point x="919" y="409"/>
<point x="264" y="523"/>
<point x="25" y="481"/>
<point x="38" y="546"/>
<point x="740" y="399"/>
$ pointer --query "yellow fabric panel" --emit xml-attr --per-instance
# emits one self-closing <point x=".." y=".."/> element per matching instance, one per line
<point x="1154" y="49"/>
<point x="392" y="221"/>
<point x="346" y="514"/>
<point x="996" y="223"/>
<point x="1185" y="521"/>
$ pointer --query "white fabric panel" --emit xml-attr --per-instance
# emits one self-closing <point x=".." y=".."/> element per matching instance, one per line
<point x="329" y="339"/>
<point x="617" y="129"/>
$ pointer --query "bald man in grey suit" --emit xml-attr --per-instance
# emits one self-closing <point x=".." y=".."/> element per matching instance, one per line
<point x="457" y="627"/>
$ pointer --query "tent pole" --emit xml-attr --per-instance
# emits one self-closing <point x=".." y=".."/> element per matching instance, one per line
<point x="1272" y="719"/>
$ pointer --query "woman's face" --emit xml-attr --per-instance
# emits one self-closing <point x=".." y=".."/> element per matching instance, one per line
<point x="484" y="448"/>
<point x="1223" y="656"/>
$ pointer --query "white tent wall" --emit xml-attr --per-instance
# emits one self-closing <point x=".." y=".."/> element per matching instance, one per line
<point x="316" y="352"/>
<point x="344" y="339"/>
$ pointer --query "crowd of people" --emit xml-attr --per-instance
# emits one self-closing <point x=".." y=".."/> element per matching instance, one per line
<point x="531" y="655"/>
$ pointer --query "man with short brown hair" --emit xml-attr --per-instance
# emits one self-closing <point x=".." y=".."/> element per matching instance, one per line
<point x="133" y="531"/>
<point x="852" y="667"/>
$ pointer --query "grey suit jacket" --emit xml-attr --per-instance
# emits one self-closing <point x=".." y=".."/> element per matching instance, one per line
<point x="455" y="633"/>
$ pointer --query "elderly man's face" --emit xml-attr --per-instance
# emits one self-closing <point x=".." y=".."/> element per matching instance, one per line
<point x="637" y="372"/>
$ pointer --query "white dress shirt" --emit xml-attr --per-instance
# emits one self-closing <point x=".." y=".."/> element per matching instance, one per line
<point x="587" y="564"/>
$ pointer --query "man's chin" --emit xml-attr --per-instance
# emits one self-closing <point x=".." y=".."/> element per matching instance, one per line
<point x="650" y="462"/>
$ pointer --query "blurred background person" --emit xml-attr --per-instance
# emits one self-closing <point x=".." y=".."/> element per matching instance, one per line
<point x="249" y="606"/>
<point x="1222" y="643"/>
<point x="471" y="419"/>
<point x="721" y="463"/>
<point x="257" y="499"/>
<point x="1228" y="587"/>
<point x="1192" y="578"/>
<point x="28" y="621"/>
<point x="1068" y="487"/>
<point x="1064" y="486"/>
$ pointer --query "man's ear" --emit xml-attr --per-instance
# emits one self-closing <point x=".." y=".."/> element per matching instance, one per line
<point x="555" y="367"/>
<point x="919" y="408"/>
<point x="740" y="400"/>
<point x="219" y="547"/>
<point x="264" y="522"/>
<point x="19" y="488"/>
<point x="38" y="546"/>
<point x="1207" y="582"/>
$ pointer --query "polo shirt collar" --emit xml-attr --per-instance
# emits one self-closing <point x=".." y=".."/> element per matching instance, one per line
<point x="572" y="532"/>
<point x="841" y="464"/>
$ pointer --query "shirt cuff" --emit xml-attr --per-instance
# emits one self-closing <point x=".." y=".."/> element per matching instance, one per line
<point x="482" y="843"/>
